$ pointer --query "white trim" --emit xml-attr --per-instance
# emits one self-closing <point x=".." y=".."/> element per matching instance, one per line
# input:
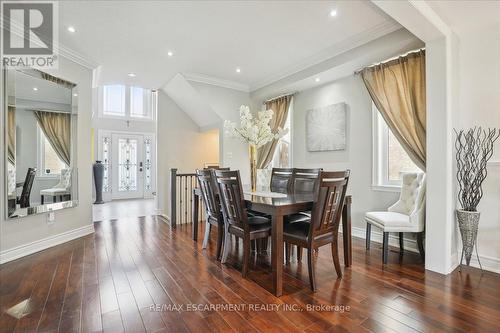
<point x="45" y="243"/>
<point x="489" y="263"/>
<point x="345" y="45"/>
<point x="76" y="57"/>
<point x="387" y="188"/>
<point x="214" y="81"/>
<point x="494" y="163"/>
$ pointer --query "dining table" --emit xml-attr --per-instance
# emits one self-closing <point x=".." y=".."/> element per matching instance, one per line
<point x="279" y="206"/>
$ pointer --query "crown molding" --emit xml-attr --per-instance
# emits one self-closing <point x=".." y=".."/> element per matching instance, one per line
<point x="214" y="81"/>
<point x="347" y="44"/>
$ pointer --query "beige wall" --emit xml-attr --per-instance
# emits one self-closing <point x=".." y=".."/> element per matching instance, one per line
<point x="358" y="154"/>
<point x="22" y="236"/>
<point x="180" y="145"/>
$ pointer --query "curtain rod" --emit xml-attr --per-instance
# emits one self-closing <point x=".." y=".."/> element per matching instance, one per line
<point x="358" y="71"/>
<point x="282" y="95"/>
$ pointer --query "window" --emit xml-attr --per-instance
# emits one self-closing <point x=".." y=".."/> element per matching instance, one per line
<point x="50" y="163"/>
<point x="390" y="160"/>
<point x="283" y="154"/>
<point x="127" y="102"/>
<point x="114" y="100"/>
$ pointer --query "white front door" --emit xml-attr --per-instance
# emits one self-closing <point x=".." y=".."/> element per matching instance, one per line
<point x="127" y="166"/>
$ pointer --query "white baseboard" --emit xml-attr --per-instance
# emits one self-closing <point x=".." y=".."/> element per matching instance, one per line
<point x="42" y="244"/>
<point x="376" y="236"/>
<point x="489" y="263"/>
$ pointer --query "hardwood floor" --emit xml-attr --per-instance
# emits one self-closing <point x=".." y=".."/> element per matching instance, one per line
<point x="110" y="280"/>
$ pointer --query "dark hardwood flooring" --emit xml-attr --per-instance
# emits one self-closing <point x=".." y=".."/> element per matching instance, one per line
<point x="108" y="282"/>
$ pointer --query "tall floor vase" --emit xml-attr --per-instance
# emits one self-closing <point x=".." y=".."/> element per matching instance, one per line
<point x="468" y="223"/>
<point x="98" y="168"/>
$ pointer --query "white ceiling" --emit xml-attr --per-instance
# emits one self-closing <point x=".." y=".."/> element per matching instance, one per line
<point x="268" y="40"/>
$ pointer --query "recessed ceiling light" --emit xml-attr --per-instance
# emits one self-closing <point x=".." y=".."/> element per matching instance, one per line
<point x="333" y="13"/>
<point x="317" y="79"/>
<point x="75" y="95"/>
<point x="71" y="29"/>
<point x="238" y="70"/>
<point x="35" y="88"/>
<point x="131" y="74"/>
<point x="170" y="53"/>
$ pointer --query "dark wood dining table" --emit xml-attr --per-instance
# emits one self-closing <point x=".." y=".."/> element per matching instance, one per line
<point x="277" y="208"/>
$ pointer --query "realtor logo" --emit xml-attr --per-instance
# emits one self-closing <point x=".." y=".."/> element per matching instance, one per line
<point x="29" y="34"/>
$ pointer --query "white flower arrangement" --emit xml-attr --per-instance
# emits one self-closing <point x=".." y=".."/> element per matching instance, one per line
<point x="254" y="130"/>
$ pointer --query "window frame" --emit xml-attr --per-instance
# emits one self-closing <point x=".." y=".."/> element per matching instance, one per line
<point x="41" y="157"/>
<point x="148" y="101"/>
<point x="380" y="153"/>
<point x="103" y="101"/>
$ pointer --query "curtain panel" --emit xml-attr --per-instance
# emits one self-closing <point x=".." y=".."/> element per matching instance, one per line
<point x="397" y="88"/>
<point x="57" y="129"/>
<point x="11" y="135"/>
<point x="280" y="107"/>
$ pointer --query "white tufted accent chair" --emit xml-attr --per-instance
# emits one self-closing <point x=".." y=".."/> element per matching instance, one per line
<point x="406" y="215"/>
<point x="61" y="189"/>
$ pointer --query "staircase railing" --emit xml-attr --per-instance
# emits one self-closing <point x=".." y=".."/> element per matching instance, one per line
<point x="181" y="197"/>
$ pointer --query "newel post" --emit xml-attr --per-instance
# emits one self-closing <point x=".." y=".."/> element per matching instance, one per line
<point x="173" y="197"/>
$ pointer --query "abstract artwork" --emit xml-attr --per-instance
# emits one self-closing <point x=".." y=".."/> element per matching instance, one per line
<point x="326" y="127"/>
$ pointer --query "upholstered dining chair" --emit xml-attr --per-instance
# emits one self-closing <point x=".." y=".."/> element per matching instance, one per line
<point x="61" y="189"/>
<point x="237" y="222"/>
<point x="322" y="229"/>
<point x="406" y="215"/>
<point x="209" y="194"/>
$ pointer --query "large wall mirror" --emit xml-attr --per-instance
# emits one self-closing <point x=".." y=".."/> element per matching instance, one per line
<point x="40" y="132"/>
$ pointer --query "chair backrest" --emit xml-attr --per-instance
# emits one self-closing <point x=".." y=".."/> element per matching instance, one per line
<point x="65" y="179"/>
<point x="209" y="191"/>
<point x="24" y="200"/>
<point x="281" y="180"/>
<point x="232" y="198"/>
<point x="329" y="196"/>
<point x="303" y="180"/>
<point x="215" y="167"/>
<point x="412" y="194"/>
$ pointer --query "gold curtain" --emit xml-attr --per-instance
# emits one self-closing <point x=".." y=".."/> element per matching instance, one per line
<point x="280" y="107"/>
<point x="397" y="88"/>
<point x="57" y="129"/>
<point x="11" y="129"/>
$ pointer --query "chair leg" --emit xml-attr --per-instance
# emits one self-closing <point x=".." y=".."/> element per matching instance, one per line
<point x="227" y="245"/>
<point x="368" y="235"/>
<point x="299" y="253"/>
<point x="420" y="242"/>
<point x="310" y="266"/>
<point x="220" y="237"/>
<point x="246" y="255"/>
<point x="385" y="248"/>
<point x="401" y="243"/>
<point x="288" y="249"/>
<point x="207" y="235"/>
<point x="42" y="199"/>
<point x="336" y="260"/>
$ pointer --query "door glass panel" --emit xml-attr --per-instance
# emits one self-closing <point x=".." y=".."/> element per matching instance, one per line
<point x="147" y="164"/>
<point x="106" y="147"/>
<point x="127" y="165"/>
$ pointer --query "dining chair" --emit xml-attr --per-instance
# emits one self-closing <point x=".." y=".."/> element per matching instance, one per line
<point x="406" y="215"/>
<point x="281" y="180"/>
<point x="302" y="182"/>
<point x="237" y="222"/>
<point x="63" y="188"/>
<point x="209" y="190"/>
<point x="328" y="202"/>
<point x="24" y="199"/>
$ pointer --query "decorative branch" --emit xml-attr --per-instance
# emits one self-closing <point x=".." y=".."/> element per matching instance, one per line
<point x="474" y="148"/>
